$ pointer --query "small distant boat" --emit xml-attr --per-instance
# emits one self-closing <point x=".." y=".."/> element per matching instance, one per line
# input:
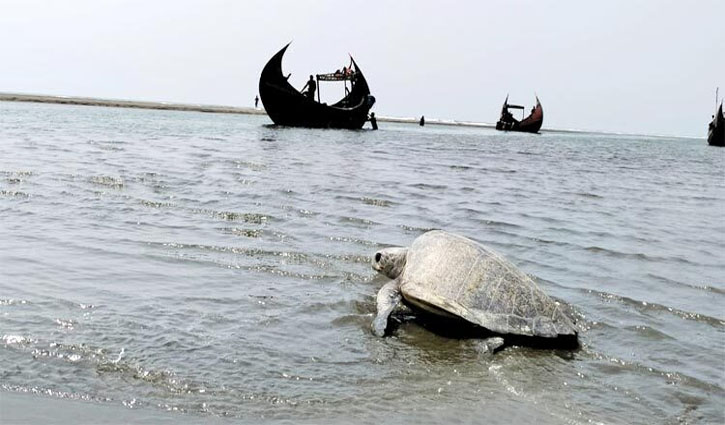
<point x="285" y="105"/>
<point x="716" y="129"/>
<point x="530" y="124"/>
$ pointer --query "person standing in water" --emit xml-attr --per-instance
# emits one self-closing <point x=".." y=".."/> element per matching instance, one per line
<point x="422" y="120"/>
<point x="373" y="121"/>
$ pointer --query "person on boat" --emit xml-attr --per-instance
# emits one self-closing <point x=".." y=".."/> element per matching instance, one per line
<point x="311" y="87"/>
<point x="256" y="101"/>
<point x="373" y="121"/>
<point x="533" y="110"/>
<point x="508" y="117"/>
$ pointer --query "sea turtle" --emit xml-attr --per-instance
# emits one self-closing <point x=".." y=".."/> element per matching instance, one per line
<point x="452" y="276"/>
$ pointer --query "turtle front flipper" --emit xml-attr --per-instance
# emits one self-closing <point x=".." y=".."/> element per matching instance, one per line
<point x="388" y="297"/>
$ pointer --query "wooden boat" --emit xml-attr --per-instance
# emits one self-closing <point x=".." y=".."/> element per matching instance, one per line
<point x="285" y="105"/>
<point x="530" y="124"/>
<point x="716" y="130"/>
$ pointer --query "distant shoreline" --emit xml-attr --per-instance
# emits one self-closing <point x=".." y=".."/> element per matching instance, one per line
<point x="220" y="109"/>
<point x="139" y="104"/>
<point x="173" y="106"/>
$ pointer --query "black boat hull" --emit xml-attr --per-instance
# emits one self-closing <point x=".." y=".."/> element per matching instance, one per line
<point x="285" y="105"/>
<point x="716" y="130"/>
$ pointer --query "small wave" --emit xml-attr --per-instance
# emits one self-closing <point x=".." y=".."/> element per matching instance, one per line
<point x="14" y="194"/>
<point x="290" y="258"/>
<point x="111" y="361"/>
<point x="20" y="173"/>
<point x="550" y="242"/>
<point x="11" y="301"/>
<point x="155" y="204"/>
<point x="426" y="186"/>
<point x="105" y="142"/>
<point x="644" y="306"/>
<point x="274" y="270"/>
<point x="110" y="148"/>
<point x="357" y="220"/>
<point x="705" y="288"/>
<point x="247" y="233"/>
<point x="638" y="255"/>
<point x="670" y="378"/>
<point x="417" y="230"/>
<point x="68" y="324"/>
<point x="501" y="170"/>
<point x="17" y="340"/>
<point x="376" y="202"/>
<point x="108" y="181"/>
<point x="254" y="218"/>
<point x="248" y="165"/>
<point x="355" y="320"/>
<point x="501" y="224"/>
<point x="352" y="240"/>
<point x="350" y="258"/>
<point x="53" y="393"/>
<point x="649" y="333"/>
<point x="250" y="252"/>
<point x="587" y="195"/>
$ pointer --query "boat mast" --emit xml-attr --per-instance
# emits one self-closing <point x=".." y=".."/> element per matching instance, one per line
<point x="717" y="91"/>
<point x="318" y="88"/>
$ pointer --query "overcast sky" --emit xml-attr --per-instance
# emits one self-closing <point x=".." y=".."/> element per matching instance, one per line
<point x="629" y="66"/>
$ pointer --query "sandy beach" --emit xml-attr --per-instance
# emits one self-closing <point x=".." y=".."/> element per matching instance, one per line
<point x="172" y="106"/>
<point x="117" y="103"/>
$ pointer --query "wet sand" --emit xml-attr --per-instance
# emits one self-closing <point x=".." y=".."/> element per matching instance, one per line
<point x="19" y="408"/>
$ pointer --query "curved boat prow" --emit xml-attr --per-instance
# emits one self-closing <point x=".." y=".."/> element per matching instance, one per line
<point x="716" y="129"/>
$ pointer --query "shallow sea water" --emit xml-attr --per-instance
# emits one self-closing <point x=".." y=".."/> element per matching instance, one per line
<point x="215" y="267"/>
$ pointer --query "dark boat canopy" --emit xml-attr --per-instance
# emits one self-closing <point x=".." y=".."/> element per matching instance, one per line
<point x="335" y="77"/>
<point x="285" y="105"/>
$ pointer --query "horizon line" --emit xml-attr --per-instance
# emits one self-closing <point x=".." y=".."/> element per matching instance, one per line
<point x="242" y="110"/>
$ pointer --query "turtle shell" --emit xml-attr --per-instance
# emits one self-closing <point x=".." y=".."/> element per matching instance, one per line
<point x="453" y="276"/>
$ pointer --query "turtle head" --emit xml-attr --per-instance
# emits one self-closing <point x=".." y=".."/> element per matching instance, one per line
<point x="390" y="261"/>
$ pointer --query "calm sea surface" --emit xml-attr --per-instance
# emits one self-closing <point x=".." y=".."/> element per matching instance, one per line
<point x="215" y="267"/>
